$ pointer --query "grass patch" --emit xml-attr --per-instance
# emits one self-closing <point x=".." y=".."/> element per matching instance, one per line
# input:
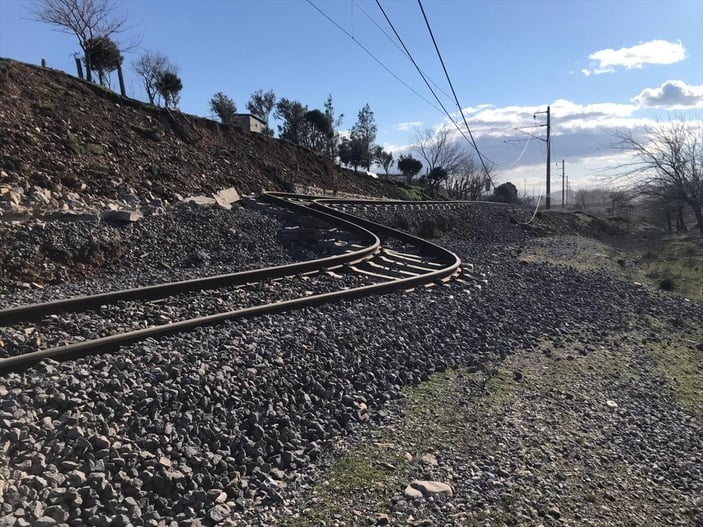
<point x="73" y="144"/>
<point x="43" y="107"/>
<point x="95" y="149"/>
<point x="152" y="134"/>
<point x="675" y="263"/>
<point x="415" y="193"/>
<point x="380" y="468"/>
<point x="671" y="263"/>
<point x="457" y="414"/>
<point x="680" y="361"/>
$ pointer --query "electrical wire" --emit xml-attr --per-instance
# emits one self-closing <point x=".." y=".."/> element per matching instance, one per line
<point x="456" y="99"/>
<point x="518" y="157"/>
<point x="409" y="55"/>
<point x="539" y="200"/>
<point x="372" y="55"/>
<point x="392" y="41"/>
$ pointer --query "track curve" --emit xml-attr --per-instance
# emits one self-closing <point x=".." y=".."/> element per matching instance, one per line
<point x="394" y="270"/>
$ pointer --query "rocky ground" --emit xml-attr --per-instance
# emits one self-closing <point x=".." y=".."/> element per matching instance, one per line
<point x="547" y="394"/>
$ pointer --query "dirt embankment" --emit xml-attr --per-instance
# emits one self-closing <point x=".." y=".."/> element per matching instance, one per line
<point x="69" y="136"/>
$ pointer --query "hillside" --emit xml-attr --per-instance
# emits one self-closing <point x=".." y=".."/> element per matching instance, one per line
<point x="79" y="141"/>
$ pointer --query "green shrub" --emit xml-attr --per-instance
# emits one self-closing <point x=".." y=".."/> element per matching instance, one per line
<point x="666" y="284"/>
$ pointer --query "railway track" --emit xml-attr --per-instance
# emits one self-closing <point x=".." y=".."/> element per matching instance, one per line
<point x="368" y="259"/>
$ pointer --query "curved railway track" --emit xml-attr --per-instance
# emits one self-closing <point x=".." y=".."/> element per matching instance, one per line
<point x="405" y="263"/>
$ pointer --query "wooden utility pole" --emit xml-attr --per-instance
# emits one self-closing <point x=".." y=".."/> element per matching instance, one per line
<point x="123" y="91"/>
<point x="79" y="68"/>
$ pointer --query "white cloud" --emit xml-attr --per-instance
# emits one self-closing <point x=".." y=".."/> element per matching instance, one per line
<point x="672" y="95"/>
<point x="404" y="127"/>
<point x="581" y="135"/>
<point x="652" y="52"/>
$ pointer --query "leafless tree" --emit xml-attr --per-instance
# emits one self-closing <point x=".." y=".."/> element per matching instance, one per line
<point x="667" y="163"/>
<point x="86" y="19"/>
<point x="150" y="66"/>
<point x="468" y="180"/>
<point x="438" y="150"/>
<point x="593" y="199"/>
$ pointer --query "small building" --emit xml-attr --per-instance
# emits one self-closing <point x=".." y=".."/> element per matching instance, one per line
<point x="250" y="122"/>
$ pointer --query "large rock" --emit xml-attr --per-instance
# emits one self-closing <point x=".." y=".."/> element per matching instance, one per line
<point x="202" y="201"/>
<point x="126" y="216"/>
<point x="226" y="197"/>
<point x="425" y="489"/>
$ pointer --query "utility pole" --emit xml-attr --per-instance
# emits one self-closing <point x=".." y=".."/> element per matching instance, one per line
<point x="549" y="156"/>
<point x="563" y="196"/>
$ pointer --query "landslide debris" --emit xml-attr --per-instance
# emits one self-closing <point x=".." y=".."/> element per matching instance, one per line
<point x="65" y="141"/>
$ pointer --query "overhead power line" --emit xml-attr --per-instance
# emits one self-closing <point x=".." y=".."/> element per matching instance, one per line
<point x="380" y="63"/>
<point x="392" y="41"/>
<point x="424" y="78"/>
<point x="456" y="99"/>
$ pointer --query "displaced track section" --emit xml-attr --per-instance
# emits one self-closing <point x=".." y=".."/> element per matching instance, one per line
<point x="400" y="262"/>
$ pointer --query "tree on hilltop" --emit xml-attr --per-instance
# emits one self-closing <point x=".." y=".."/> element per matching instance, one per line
<point x="318" y="131"/>
<point x="292" y="115"/>
<point x="364" y="133"/>
<point x="261" y="104"/>
<point x="352" y="153"/>
<point x="86" y="19"/>
<point x="332" y="141"/>
<point x="102" y="56"/>
<point x="383" y="158"/>
<point x="409" y="166"/>
<point x="169" y="86"/>
<point x="149" y="67"/>
<point x="223" y="107"/>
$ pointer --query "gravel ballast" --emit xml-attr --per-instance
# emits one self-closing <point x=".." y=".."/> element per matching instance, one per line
<point x="229" y="424"/>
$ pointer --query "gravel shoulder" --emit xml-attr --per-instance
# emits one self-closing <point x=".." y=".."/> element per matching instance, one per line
<point x="591" y="428"/>
<point x="544" y="394"/>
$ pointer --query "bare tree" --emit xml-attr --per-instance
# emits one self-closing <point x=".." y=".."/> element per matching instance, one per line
<point x="86" y="19"/>
<point x="667" y="163"/>
<point x="468" y="181"/>
<point x="593" y="199"/>
<point x="383" y="158"/>
<point x="149" y="67"/>
<point x="438" y="150"/>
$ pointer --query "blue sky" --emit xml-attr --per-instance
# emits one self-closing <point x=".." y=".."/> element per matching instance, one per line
<point x="600" y="65"/>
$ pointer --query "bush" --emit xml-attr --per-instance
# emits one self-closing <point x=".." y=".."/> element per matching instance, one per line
<point x="666" y="284"/>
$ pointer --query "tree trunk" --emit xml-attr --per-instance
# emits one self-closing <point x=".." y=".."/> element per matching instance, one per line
<point x="698" y="212"/>
<point x="680" y="225"/>
<point x="88" y="72"/>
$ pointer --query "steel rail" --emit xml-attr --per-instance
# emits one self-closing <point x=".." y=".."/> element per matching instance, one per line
<point x="112" y="342"/>
<point x="34" y="312"/>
